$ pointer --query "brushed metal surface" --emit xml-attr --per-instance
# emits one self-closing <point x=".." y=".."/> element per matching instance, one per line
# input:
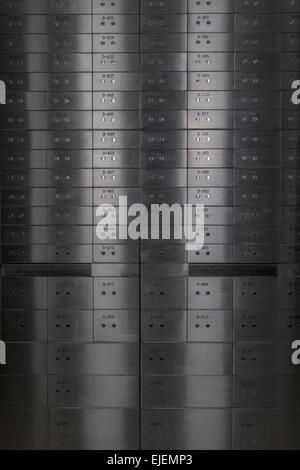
<point x="70" y="325"/>
<point x="92" y="391"/>
<point x="186" y="392"/>
<point x="186" y="359"/>
<point x="24" y="429"/>
<point x="163" y="326"/>
<point x="186" y="429"/>
<point x="24" y="325"/>
<point x="210" y="293"/>
<point x="210" y="326"/>
<point x="25" y="359"/>
<point x="93" y="429"/>
<point x="34" y="392"/>
<point x="93" y="359"/>
<point x="116" y="326"/>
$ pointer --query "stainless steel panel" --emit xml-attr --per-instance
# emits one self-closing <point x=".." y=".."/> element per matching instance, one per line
<point x="24" y="291"/>
<point x="211" y="80"/>
<point x="211" y="139"/>
<point x="29" y="43"/>
<point x="163" y="326"/>
<point x="210" y="42"/>
<point x="25" y="359"/>
<point x="257" y="81"/>
<point x="257" y="158"/>
<point x="116" y="159"/>
<point x="93" y="359"/>
<point x="257" y="61"/>
<point x="165" y="252"/>
<point x="257" y="215"/>
<point x="164" y="119"/>
<point x="24" y="325"/>
<point x="254" y="293"/>
<point x="212" y="254"/>
<point x="187" y="392"/>
<point x="66" y="23"/>
<point x="260" y="138"/>
<point x="257" y="5"/>
<point x="257" y="120"/>
<point x="75" y="196"/>
<point x="34" y="392"/>
<point x="70" y="81"/>
<point x="68" y="234"/>
<point x="23" y="215"/>
<point x="70" y="215"/>
<point x="215" y="23"/>
<point x="68" y="43"/>
<point x="214" y="6"/>
<point x="99" y="429"/>
<point x="256" y="234"/>
<point x="23" y="235"/>
<point x="164" y="158"/>
<point x="169" y="196"/>
<point x="69" y="100"/>
<point x="24" y="429"/>
<point x="27" y="7"/>
<point x="116" y="293"/>
<point x="256" y="325"/>
<point x="218" y="215"/>
<point x="211" y="100"/>
<point x="164" y="62"/>
<point x="210" y="293"/>
<point x="289" y="293"/>
<point x="210" y="119"/>
<point x="115" y="119"/>
<point x="164" y="100"/>
<point x="131" y="6"/>
<point x="70" y="325"/>
<point x="164" y="42"/>
<point x="69" y="139"/>
<point x="211" y="196"/>
<point x="169" y="23"/>
<point x="164" y="81"/>
<point x="164" y="139"/>
<point x="168" y="6"/>
<point x="113" y="100"/>
<point x="259" y="42"/>
<point x="252" y="22"/>
<point x="186" y="429"/>
<point x="212" y="61"/>
<point x="22" y="139"/>
<point x="266" y="392"/>
<point x="70" y="178"/>
<point x="290" y="22"/>
<point x="211" y="158"/>
<point x="113" y="81"/>
<point x="93" y="391"/>
<point x="116" y="326"/>
<point x="114" y="23"/>
<point x="291" y="61"/>
<point x="186" y="359"/>
<point x="211" y="177"/>
<point x="70" y="292"/>
<point x="69" y="62"/>
<point x="116" y="253"/>
<point x="69" y="119"/>
<point x="210" y="326"/>
<point x="69" y="159"/>
<point x="23" y="178"/>
<point x="21" y="159"/>
<point x="263" y="359"/>
<point x="267" y="100"/>
<point x="116" y="139"/>
<point x="164" y="178"/>
<point x="24" y="254"/>
<point x="250" y="429"/>
<point x="255" y="253"/>
<point x="72" y="7"/>
<point x="164" y="293"/>
<point x="26" y="196"/>
<point x="22" y="24"/>
<point x="111" y="195"/>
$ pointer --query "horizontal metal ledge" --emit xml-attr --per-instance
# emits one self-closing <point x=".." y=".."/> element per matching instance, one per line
<point x="233" y="270"/>
<point x="47" y="269"/>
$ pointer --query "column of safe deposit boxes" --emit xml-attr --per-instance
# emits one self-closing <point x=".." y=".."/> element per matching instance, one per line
<point x="124" y="344"/>
<point x="71" y="379"/>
